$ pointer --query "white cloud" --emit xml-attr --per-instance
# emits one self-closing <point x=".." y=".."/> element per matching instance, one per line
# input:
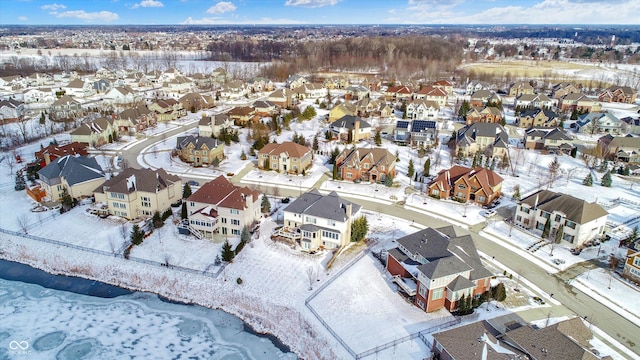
<point x="22" y="18"/>
<point x="221" y="8"/>
<point x="104" y="16"/>
<point x="225" y="21"/>
<point x="311" y="3"/>
<point x="148" y="3"/>
<point x="53" y="8"/>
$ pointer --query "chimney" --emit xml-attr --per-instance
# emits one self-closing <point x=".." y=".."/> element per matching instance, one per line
<point x="535" y="205"/>
<point x="349" y="210"/>
<point x="356" y="130"/>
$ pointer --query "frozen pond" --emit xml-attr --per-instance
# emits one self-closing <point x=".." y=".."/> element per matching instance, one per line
<point x="43" y="323"/>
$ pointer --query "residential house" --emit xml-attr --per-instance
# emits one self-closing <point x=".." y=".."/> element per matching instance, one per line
<point x="199" y="150"/>
<point x="95" y="133"/>
<point x="533" y="100"/>
<point x="435" y="268"/>
<point x="365" y="164"/>
<point x="219" y="75"/>
<point x="365" y="107"/>
<point x="71" y="175"/>
<point x="10" y="110"/>
<point x="485" y="114"/>
<point x="479" y="185"/>
<point x="632" y="125"/>
<point x="78" y="88"/>
<point x="555" y="140"/>
<point x="218" y="206"/>
<point x="599" y="123"/>
<point x="48" y="154"/>
<point x="310" y="91"/>
<point x="568" y="339"/>
<point x="196" y="101"/>
<point x="242" y="115"/>
<point x="66" y="108"/>
<point x="620" y="94"/>
<point x="319" y="221"/>
<point x="39" y="79"/>
<point x="135" y="119"/>
<point x="167" y="109"/>
<point x="478" y="340"/>
<point x="482" y="137"/>
<point x="537" y="117"/>
<point x="101" y="86"/>
<point x="357" y="92"/>
<point x="294" y="81"/>
<point x="474" y="86"/>
<point x="260" y="84"/>
<point x="351" y="129"/>
<point x="578" y="220"/>
<point x="202" y="81"/>
<point x="398" y="93"/>
<point x="564" y="88"/>
<point x="342" y="109"/>
<point x="233" y="90"/>
<point x="435" y="94"/>
<point x="632" y="266"/>
<point x="169" y="74"/>
<point x="123" y="96"/>
<point x="39" y="96"/>
<point x="578" y="102"/>
<point x="445" y="85"/>
<point x="422" y="110"/>
<point x="288" y="157"/>
<point x="264" y="108"/>
<point x="211" y="126"/>
<point x="137" y="193"/>
<point x="135" y="79"/>
<point x="520" y="87"/>
<point x="283" y="98"/>
<point x="622" y="148"/>
<point x="417" y="133"/>
<point x="483" y="97"/>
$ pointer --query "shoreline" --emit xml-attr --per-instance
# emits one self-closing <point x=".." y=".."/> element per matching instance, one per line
<point x="63" y="278"/>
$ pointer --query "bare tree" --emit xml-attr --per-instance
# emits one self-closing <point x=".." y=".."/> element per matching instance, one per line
<point x="554" y="168"/>
<point x="312" y="274"/>
<point x="23" y="222"/>
<point x="124" y="232"/>
<point x="11" y="161"/>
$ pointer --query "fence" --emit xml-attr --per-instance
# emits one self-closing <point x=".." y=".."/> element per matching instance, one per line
<point x="206" y="272"/>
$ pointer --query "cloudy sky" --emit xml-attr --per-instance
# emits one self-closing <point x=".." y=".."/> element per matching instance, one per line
<point x="76" y="12"/>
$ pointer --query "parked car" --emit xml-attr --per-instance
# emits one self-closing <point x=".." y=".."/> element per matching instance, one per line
<point x="193" y="183"/>
<point x="488" y="213"/>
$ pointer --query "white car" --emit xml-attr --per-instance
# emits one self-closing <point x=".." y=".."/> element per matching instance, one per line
<point x="488" y="213"/>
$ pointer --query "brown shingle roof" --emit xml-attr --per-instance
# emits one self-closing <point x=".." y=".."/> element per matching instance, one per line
<point x="130" y="180"/>
<point x="223" y="193"/>
<point x="293" y="149"/>
<point x="576" y="210"/>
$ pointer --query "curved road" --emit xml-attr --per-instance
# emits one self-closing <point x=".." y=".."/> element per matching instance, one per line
<point x="573" y="301"/>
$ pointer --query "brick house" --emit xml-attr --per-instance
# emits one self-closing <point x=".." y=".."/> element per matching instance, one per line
<point x="620" y="94"/>
<point x="372" y="165"/>
<point x="199" y="150"/>
<point x="632" y="266"/>
<point x="482" y="97"/>
<point x="486" y="114"/>
<point x="218" y="206"/>
<point x="478" y="185"/>
<point x="47" y="154"/>
<point x="436" y="267"/>
<point x="288" y="157"/>
<point x="578" y="101"/>
<point x="580" y="220"/>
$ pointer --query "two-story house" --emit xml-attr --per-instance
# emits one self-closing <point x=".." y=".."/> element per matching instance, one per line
<point x="483" y="97"/>
<point x="199" y="150"/>
<point x="537" y="118"/>
<point x="632" y="266"/>
<point x="481" y="137"/>
<point x="533" y="100"/>
<point x="485" y="114"/>
<point x="621" y="94"/>
<point x="11" y="110"/>
<point x="96" y="133"/>
<point x="351" y="129"/>
<point x="599" y="123"/>
<point x="473" y="86"/>
<point x="123" y="96"/>
<point x="520" y="87"/>
<point x="578" y="220"/>
<point x="430" y="93"/>
<point x="135" y="119"/>
<point x="47" y="154"/>
<point x="65" y="107"/>
<point x="579" y="102"/>
<point x="288" y="157"/>
<point x="463" y="184"/>
<point x="167" y="109"/>
<point x="436" y="267"/>
<point x="209" y="126"/>
<point x="422" y="110"/>
<point x="550" y="139"/>
<point x="75" y="176"/>
<point x="564" y="88"/>
<point x="364" y="164"/>
<point x="342" y="109"/>
<point x="320" y="221"/>
<point x="218" y="206"/>
<point x="137" y="193"/>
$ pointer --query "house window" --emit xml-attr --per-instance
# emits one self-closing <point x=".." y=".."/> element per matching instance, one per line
<point x="234" y="211"/>
<point x="545" y="214"/>
<point x="461" y="186"/>
<point x="348" y="175"/>
<point x="235" y="231"/>
<point x="423" y="291"/>
<point x="519" y="218"/>
<point x="558" y="217"/>
<point x="460" y="195"/>
<point x="366" y="166"/>
<point x="570" y="224"/>
<point x="524" y="209"/>
<point x="420" y="304"/>
<point x="540" y="226"/>
<point x="235" y="222"/>
<point x="636" y="261"/>
<point x="435" y="192"/>
<point x="223" y="220"/>
<point x="437" y="294"/>
<point x="568" y="238"/>
<point x="192" y="203"/>
<point x="481" y="199"/>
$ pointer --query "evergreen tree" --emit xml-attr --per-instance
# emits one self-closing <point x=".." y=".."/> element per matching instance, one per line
<point x="499" y="292"/>
<point x="327" y="135"/>
<point x="410" y="170"/>
<point x="20" y="183"/>
<point x="559" y="234"/>
<point x="315" y="143"/>
<point x="606" y="179"/>
<point x="626" y="171"/>
<point x="157" y="219"/>
<point x="243" y="156"/>
<point x="427" y="167"/>
<point x="265" y="205"/>
<point x="378" y="138"/>
<point x="183" y="211"/>
<point x="42" y="118"/>
<point x="227" y="253"/>
<point x="574" y="152"/>
<point x="477" y="160"/>
<point x="493" y="164"/>
<point x="546" y="229"/>
<point x="464" y="108"/>
<point x="335" y="171"/>
<point x="388" y="181"/>
<point x="215" y="162"/>
<point x="588" y="180"/>
<point x="516" y="193"/>
<point x="186" y="191"/>
<point x="462" y="304"/>
<point x="245" y="235"/>
<point x="359" y="229"/>
<point x="137" y="235"/>
<point x="604" y="166"/>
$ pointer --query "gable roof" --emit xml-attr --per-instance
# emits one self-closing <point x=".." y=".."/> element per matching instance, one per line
<point x="222" y="193"/>
<point x="130" y="180"/>
<point x="293" y="149"/>
<point x="576" y="210"/>
<point x="199" y="142"/>
<point x="478" y="340"/>
<point x="74" y="170"/>
<point x="74" y="148"/>
<point x="330" y="206"/>
<point x="349" y="121"/>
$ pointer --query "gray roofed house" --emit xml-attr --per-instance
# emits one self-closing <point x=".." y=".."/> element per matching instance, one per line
<point x="351" y="128"/>
<point x="443" y="266"/>
<point x="77" y="175"/>
<point x="199" y="150"/>
<point x="578" y="219"/>
<point x="330" y="215"/>
<point x="482" y="136"/>
<point x="552" y="139"/>
<point x="478" y="340"/>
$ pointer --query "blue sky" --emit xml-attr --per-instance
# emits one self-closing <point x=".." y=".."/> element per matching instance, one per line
<point x="79" y="12"/>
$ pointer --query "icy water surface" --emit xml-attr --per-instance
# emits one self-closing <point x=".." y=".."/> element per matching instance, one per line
<point x="42" y="323"/>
